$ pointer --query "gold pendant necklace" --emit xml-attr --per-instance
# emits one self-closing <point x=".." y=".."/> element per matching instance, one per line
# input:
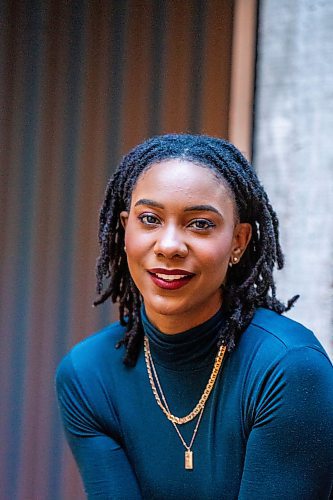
<point x="165" y="408"/>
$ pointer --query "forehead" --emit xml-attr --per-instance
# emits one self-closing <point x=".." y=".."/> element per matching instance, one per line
<point x="182" y="180"/>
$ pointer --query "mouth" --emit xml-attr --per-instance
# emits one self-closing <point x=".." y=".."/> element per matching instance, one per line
<point x="170" y="279"/>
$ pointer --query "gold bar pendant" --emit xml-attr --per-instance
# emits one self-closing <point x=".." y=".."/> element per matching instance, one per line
<point x="188" y="460"/>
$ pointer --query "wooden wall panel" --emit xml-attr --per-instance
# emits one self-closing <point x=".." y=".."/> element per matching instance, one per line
<point x="81" y="83"/>
<point x="37" y="406"/>
<point x="216" y="68"/>
<point x="177" y="67"/>
<point x="138" y="71"/>
<point x="243" y="69"/>
<point x="19" y="107"/>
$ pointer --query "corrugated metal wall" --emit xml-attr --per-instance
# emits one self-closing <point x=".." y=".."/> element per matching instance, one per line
<point x="81" y="82"/>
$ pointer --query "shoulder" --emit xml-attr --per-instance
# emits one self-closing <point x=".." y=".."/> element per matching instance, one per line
<point x="269" y="330"/>
<point x="279" y="360"/>
<point x="86" y="382"/>
<point x="94" y="356"/>
<point x="274" y="346"/>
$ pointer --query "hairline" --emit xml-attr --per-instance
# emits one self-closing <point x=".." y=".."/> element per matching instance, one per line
<point x="183" y="158"/>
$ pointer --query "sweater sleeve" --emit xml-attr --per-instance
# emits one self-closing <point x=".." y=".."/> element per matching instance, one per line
<point x="289" y="452"/>
<point x="103" y="464"/>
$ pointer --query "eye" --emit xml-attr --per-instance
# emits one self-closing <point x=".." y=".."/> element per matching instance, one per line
<point x="202" y="224"/>
<point x="149" y="219"/>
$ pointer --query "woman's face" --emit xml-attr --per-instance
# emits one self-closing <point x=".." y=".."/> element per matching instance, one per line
<point x="180" y="234"/>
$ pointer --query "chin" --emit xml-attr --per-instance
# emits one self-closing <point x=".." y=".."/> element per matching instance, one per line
<point x="167" y="307"/>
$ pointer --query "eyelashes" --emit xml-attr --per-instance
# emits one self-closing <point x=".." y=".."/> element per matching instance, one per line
<point x="199" y="224"/>
<point x="202" y="224"/>
<point x="149" y="219"/>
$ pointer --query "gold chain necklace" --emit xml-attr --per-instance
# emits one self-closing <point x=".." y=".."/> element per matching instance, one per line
<point x="205" y="395"/>
<point x="152" y="370"/>
<point x="188" y="452"/>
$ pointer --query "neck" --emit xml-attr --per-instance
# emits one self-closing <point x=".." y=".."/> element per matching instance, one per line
<point x="171" y="324"/>
<point x="192" y="348"/>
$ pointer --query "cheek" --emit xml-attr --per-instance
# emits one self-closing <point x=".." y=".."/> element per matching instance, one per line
<point x="137" y="242"/>
<point x="217" y="267"/>
<point x="130" y="234"/>
<point x="216" y="252"/>
<point x="135" y="245"/>
<point x="215" y="260"/>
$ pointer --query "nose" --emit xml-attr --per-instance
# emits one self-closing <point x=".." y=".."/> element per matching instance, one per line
<point x="170" y="243"/>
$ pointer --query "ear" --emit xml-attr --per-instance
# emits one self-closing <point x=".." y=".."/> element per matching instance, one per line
<point x="124" y="218"/>
<point x="242" y="236"/>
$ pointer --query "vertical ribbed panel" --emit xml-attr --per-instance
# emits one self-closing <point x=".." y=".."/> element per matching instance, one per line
<point x="81" y="82"/>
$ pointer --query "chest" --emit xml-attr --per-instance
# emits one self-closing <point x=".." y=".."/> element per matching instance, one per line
<point x="157" y="451"/>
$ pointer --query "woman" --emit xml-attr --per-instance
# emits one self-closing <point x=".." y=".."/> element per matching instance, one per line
<point x="210" y="392"/>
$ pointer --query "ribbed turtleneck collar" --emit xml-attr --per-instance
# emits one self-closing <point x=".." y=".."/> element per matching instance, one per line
<point x="196" y="347"/>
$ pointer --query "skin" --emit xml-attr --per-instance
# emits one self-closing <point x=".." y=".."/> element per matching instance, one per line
<point x="182" y="217"/>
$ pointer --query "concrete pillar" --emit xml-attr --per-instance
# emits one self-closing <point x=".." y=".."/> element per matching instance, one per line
<point x="293" y="149"/>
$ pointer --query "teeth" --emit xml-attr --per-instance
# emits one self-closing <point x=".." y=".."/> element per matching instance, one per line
<point x="170" y="277"/>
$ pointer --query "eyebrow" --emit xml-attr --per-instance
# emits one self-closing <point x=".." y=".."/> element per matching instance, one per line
<point x="151" y="203"/>
<point x="193" y="208"/>
<point x="202" y="208"/>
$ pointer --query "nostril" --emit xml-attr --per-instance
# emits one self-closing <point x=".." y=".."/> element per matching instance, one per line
<point x="171" y="249"/>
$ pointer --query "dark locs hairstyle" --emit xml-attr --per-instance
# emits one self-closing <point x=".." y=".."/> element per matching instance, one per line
<point x="248" y="285"/>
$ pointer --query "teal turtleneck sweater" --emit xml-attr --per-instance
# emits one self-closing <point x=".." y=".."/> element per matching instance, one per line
<point x="266" y="431"/>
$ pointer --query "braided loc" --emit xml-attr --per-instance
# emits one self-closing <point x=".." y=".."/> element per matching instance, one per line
<point x="248" y="285"/>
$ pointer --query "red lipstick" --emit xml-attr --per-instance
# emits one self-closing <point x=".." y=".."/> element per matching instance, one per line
<point x="162" y="270"/>
<point x="170" y="279"/>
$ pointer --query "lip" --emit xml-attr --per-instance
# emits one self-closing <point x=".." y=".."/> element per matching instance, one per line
<point x="172" y="284"/>
<point x="161" y="270"/>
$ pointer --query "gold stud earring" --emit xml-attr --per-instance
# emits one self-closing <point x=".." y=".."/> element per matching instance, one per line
<point x="233" y="261"/>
